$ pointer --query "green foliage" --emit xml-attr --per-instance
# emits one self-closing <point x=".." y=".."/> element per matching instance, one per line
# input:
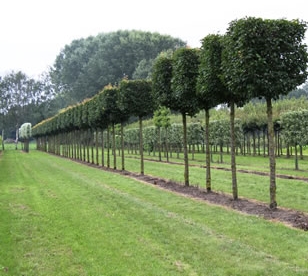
<point x="175" y="135"/>
<point x="295" y="127"/>
<point x="131" y="136"/>
<point x="161" y="81"/>
<point x="161" y="117"/>
<point x="136" y="97"/>
<point x="195" y="134"/>
<point x="185" y="65"/>
<point x="210" y="88"/>
<point x="143" y="69"/>
<point x="23" y="99"/>
<point x="87" y="65"/>
<point x="265" y="57"/>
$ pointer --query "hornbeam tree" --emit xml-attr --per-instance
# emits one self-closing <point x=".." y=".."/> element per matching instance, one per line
<point x="295" y="125"/>
<point x="265" y="58"/>
<point x="210" y="88"/>
<point x="136" y="97"/>
<point x="174" y="86"/>
<point x="183" y="86"/>
<point x="113" y="113"/>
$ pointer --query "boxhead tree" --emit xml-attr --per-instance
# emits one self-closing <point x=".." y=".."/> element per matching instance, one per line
<point x="266" y="58"/>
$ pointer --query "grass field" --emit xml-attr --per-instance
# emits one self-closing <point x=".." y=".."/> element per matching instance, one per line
<point x="59" y="217"/>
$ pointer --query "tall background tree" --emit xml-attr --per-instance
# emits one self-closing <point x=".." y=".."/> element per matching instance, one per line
<point x="87" y="65"/>
<point x="266" y="58"/>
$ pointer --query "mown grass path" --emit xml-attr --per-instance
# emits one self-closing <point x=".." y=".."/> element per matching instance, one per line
<point x="62" y="218"/>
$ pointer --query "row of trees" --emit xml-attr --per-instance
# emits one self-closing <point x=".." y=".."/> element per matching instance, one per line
<point x="23" y="99"/>
<point x="256" y="58"/>
<point x="80" y="70"/>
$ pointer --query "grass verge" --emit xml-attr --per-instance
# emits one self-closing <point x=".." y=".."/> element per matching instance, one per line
<point x="63" y="218"/>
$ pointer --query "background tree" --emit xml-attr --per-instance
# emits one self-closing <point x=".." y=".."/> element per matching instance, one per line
<point x="87" y="65"/>
<point x="162" y="120"/>
<point x="23" y="99"/>
<point x="266" y="58"/>
<point x="295" y="125"/>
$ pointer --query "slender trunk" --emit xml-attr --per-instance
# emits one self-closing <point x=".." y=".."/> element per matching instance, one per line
<point x="233" y="162"/>
<point x="159" y="143"/>
<point x="186" y="170"/>
<point x="167" y="144"/>
<point x="16" y="138"/>
<point x="259" y="151"/>
<point x="221" y="153"/>
<point x="288" y="151"/>
<point x="92" y="146"/>
<point x="296" y="157"/>
<point x="2" y="139"/>
<point x="122" y="146"/>
<point x="264" y="142"/>
<point x="207" y="151"/>
<point x="254" y="143"/>
<point x="96" y="146"/>
<point x="84" y="145"/>
<point x="114" y="148"/>
<point x="271" y="151"/>
<point x="301" y="152"/>
<point x="141" y="147"/>
<point x="88" y="145"/>
<point x="193" y="152"/>
<point x="108" y="148"/>
<point x="103" y="149"/>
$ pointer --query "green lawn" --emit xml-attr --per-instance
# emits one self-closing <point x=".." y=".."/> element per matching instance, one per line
<point x="62" y="218"/>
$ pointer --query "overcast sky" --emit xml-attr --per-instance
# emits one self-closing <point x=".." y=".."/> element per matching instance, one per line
<point x="33" y="32"/>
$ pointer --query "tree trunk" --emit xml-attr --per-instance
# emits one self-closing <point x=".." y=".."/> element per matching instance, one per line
<point x="92" y="146"/>
<point x="207" y="151"/>
<point x="264" y="142"/>
<point x="141" y="147"/>
<point x="122" y="146"/>
<point x="221" y="153"/>
<point x="159" y="143"/>
<point x="271" y="151"/>
<point x="108" y="147"/>
<point x="16" y="138"/>
<point x="301" y="152"/>
<point x="167" y="144"/>
<point x="2" y="140"/>
<point x="96" y="146"/>
<point x="114" y="148"/>
<point x="103" y="149"/>
<point x="296" y="157"/>
<point x="233" y="163"/>
<point x="186" y="170"/>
